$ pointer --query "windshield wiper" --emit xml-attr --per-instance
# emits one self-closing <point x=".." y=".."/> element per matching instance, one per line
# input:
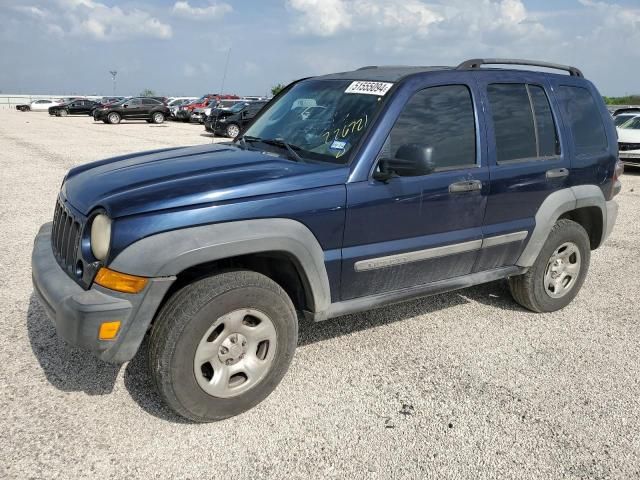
<point x="291" y="149"/>
<point x="278" y="142"/>
<point x="242" y="140"/>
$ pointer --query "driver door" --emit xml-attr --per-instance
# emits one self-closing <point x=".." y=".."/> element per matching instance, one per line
<point x="414" y="229"/>
<point x="132" y="109"/>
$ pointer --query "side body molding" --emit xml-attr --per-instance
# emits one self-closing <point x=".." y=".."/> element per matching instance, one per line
<point x="553" y="207"/>
<point x="169" y="253"/>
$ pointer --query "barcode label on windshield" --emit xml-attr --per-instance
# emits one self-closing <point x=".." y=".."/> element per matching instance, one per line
<point x="369" y="88"/>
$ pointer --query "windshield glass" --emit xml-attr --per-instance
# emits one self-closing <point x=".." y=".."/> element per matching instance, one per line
<point x="322" y="119"/>
<point x="634" y="123"/>
<point x="237" y="107"/>
<point x="621" y="119"/>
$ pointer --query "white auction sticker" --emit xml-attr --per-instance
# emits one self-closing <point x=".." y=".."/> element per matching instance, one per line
<point x="369" y="88"/>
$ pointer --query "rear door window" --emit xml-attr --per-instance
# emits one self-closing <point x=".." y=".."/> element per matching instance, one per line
<point x="523" y="123"/>
<point x="585" y="120"/>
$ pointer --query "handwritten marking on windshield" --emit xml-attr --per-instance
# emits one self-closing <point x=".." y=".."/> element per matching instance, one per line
<point x="346" y="129"/>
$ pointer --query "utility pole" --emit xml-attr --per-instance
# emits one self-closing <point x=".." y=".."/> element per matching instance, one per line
<point x="113" y="77"/>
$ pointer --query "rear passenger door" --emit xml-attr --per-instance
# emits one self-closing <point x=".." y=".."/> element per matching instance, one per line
<point x="415" y="229"/>
<point x="528" y="160"/>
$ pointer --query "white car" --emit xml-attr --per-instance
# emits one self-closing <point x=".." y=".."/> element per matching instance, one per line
<point x="629" y="141"/>
<point x="43" y="105"/>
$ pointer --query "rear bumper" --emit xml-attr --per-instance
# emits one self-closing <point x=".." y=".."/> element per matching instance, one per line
<point x="612" y="215"/>
<point x="78" y="313"/>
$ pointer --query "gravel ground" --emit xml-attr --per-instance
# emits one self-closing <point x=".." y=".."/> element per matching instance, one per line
<point x="462" y="385"/>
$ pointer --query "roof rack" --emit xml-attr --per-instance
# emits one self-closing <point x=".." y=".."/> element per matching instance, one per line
<point x="478" y="62"/>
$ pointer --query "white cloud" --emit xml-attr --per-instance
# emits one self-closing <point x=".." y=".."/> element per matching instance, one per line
<point x="213" y="10"/>
<point x="322" y="17"/>
<point x="97" y="20"/>
<point x="406" y="18"/>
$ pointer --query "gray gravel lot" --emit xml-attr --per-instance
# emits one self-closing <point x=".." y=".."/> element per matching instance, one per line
<point x="462" y="385"/>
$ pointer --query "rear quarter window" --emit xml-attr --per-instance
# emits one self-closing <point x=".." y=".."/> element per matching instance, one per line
<point x="584" y="118"/>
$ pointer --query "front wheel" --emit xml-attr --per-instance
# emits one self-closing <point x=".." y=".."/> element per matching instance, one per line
<point x="113" y="118"/>
<point x="62" y="113"/>
<point x="222" y="344"/>
<point x="157" y="117"/>
<point x="232" y="130"/>
<point x="558" y="273"/>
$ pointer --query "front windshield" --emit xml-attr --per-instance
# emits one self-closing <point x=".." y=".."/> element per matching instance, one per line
<point x="634" y="123"/>
<point x="235" y="108"/>
<point x="621" y="119"/>
<point x="321" y="119"/>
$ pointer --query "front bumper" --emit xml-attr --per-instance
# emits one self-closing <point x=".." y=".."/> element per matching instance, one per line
<point x="631" y="158"/>
<point x="78" y="313"/>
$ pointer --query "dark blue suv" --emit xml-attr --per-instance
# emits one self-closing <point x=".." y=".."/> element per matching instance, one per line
<point x="347" y="192"/>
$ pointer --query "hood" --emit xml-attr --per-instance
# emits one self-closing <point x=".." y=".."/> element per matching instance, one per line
<point x="183" y="177"/>
<point x="628" y="135"/>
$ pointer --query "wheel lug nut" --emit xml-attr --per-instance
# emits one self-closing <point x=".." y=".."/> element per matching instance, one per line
<point x="228" y="362"/>
<point x="241" y="356"/>
<point x="233" y="339"/>
<point x="244" y="343"/>
<point x="224" y="350"/>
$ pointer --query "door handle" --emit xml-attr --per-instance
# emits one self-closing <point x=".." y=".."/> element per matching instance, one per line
<point x="557" y="173"/>
<point x="466" y="186"/>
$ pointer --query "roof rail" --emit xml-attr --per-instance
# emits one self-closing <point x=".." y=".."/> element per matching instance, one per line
<point x="478" y="62"/>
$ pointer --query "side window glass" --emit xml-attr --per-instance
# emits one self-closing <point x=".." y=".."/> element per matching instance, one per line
<point x="439" y="120"/>
<point x="584" y="119"/>
<point x="512" y="121"/>
<point x="523" y="122"/>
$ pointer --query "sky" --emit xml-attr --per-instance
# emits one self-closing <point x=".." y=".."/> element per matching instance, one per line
<point x="181" y="47"/>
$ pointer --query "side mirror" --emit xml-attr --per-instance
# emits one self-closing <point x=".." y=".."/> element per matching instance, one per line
<point x="125" y="105"/>
<point x="411" y="160"/>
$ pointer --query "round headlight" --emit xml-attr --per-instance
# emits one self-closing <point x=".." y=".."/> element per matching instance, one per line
<point x="100" y="236"/>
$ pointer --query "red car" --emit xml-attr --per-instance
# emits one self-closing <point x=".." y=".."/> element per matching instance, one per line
<point x="184" y="113"/>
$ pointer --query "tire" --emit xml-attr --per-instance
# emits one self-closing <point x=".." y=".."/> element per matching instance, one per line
<point x="157" y="117"/>
<point x="232" y="130"/>
<point x="558" y="273"/>
<point x="198" y="320"/>
<point x="113" y="118"/>
<point x="62" y="113"/>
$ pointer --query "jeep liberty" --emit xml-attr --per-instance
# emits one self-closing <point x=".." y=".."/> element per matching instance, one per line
<point x="346" y="192"/>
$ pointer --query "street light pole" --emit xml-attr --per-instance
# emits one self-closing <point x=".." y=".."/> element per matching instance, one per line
<point x="113" y="76"/>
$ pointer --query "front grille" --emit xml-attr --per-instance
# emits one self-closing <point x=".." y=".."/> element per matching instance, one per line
<point x="65" y="237"/>
<point x="625" y="147"/>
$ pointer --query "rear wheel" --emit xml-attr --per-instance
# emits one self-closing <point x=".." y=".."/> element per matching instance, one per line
<point x="113" y="118"/>
<point x="559" y="271"/>
<point x="222" y="344"/>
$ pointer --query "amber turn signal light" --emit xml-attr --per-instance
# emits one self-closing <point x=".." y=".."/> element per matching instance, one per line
<point x="109" y="330"/>
<point x="120" y="282"/>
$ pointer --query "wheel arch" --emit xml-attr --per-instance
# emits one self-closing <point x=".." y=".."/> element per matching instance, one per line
<point x="284" y="250"/>
<point x="584" y="204"/>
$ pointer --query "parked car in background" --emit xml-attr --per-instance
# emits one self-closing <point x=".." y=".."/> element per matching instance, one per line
<point x="75" y="107"/>
<point x="230" y="122"/>
<point x="351" y="191"/>
<point x="185" y="112"/>
<point x="175" y="105"/>
<point x="106" y="101"/>
<point x="135" y="108"/>
<point x="43" y="105"/>
<point x="629" y="142"/>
